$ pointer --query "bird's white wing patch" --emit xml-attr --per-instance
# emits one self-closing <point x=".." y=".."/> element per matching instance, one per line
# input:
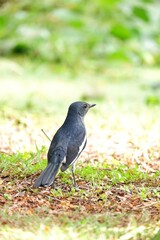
<point x="80" y="148"/>
<point x="64" y="167"/>
<point x="64" y="160"/>
<point x="82" y="145"/>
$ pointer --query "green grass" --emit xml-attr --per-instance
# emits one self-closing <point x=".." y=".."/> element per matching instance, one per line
<point x="22" y="164"/>
<point x="27" y="163"/>
<point x="98" y="228"/>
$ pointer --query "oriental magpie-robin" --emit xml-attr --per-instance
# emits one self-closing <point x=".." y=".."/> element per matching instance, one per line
<point x="66" y="145"/>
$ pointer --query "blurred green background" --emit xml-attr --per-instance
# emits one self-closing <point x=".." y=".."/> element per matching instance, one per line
<point x="78" y="33"/>
<point x="55" y="52"/>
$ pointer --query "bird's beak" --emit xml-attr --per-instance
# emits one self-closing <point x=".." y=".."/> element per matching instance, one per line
<point x="92" y="105"/>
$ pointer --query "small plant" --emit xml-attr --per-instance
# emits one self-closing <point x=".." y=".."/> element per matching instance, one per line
<point x="22" y="164"/>
<point x="124" y="174"/>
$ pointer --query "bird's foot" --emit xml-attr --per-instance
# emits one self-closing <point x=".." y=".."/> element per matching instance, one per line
<point x="76" y="187"/>
<point x="54" y="186"/>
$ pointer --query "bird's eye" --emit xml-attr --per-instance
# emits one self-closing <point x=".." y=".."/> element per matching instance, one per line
<point x="85" y="106"/>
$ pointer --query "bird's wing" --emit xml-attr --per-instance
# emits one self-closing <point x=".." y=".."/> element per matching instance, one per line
<point x="57" y="142"/>
<point x="74" y="150"/>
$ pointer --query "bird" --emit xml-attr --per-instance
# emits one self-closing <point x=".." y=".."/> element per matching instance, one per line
<point x="66" y="146"/>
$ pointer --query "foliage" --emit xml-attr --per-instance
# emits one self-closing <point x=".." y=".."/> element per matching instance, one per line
<point x="76" y="31"/>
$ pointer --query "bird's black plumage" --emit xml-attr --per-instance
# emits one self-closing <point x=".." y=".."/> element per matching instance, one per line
<point x="66" y="145"/>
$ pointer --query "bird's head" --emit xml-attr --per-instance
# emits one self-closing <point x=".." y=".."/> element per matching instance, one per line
<point x="80" y="108"/>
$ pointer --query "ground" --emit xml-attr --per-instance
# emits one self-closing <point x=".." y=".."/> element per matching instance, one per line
<point x="118" y="173"/>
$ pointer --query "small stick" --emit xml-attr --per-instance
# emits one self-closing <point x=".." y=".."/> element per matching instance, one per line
<point x="46" y="135"/>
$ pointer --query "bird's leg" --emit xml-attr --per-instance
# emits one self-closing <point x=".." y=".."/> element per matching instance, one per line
<point x="73" y="176"/>
<point x="53" y="185"/>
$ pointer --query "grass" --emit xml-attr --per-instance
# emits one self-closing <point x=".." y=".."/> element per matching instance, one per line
<point x="81" y="232"/>
<point x="118" y="173"/>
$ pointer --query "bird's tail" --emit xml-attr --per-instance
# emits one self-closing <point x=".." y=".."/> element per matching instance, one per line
<point x="47" y="177"/>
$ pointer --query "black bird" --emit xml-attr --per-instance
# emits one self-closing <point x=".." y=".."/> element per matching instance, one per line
<point x="66" y="145"/>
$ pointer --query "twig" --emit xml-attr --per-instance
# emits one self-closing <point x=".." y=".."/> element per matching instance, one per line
<point x="46" y="135"/>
